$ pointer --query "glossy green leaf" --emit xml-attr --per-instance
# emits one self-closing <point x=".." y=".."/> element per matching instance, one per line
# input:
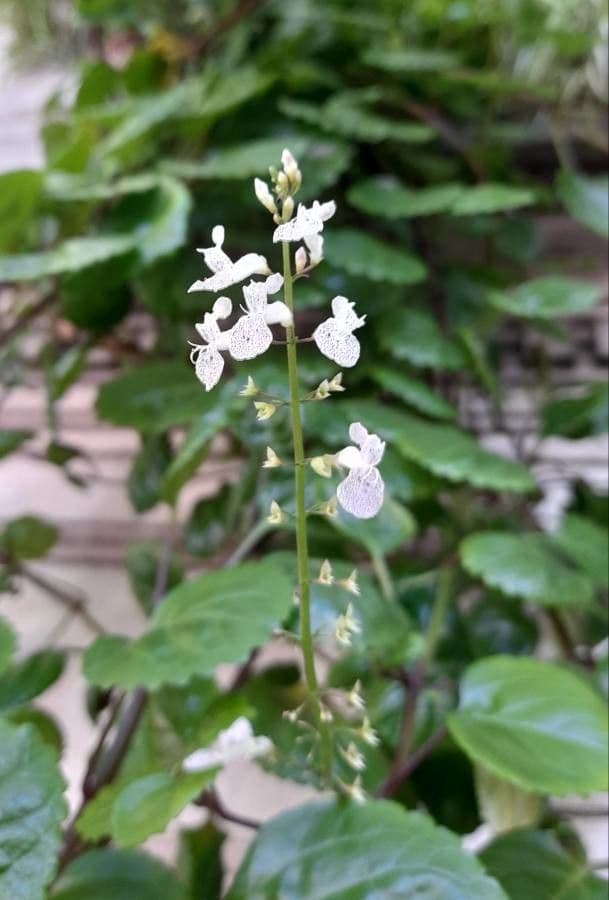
<point x="12" y="439"/>
<point x="587" y="544"/>
<point x="359" y="254"/>
<point x="332" y="849"/>
<point x="394" y="525"/>
<point x="28" y="538"/>
<point x="71" y="256"/>
<point x="31" y="812"/>
<point x="545" y="298"/>
<point x="19" y="196"/>
<point x="587" y="199"/>
<point x="7" y="644"/>
<point x="153" y="397"/>
<point x="147" y="805"/>
<point x="117" y="875"/>
<point x="147" y="472"/>
<point x="526" y="721"/>
<point x="195" y="447"/>
<point x="534" y="864"/>
<point x="414" y="392"/>
<point x="25" y="680"/>
<point x="580" y="416"/>
<point x="385" y="196"/>
<point x="526" y="566"/>
<point x="215" y="618"/>
<point x="484" y="199"/>
<point x="416" y="338"/>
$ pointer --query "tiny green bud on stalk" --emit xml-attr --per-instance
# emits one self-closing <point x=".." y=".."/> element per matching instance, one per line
<point x="355" y="697"/>
<point x="250" y="389"/>
<point x="350" y="584"/>
<point x="264" y="410"/>
<point x="322" y="465"/>
<point x="368" y="734"/>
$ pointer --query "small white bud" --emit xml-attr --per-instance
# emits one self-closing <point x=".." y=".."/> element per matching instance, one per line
<point x="322" y="391"/>
<point x="291" y="715"/>
<point x="283" y="183"/>
<point x="272" y="461"/>
<point x="290" y="166"/>
<point x="355" y="697"/>
<point x="250" y="389"/>
<point x="355" y="791"/>
<point x="326" y="576"/>
<point x="353" y="757"/>
<point x="288" y="208"/>
<point x="336" y="384"/>
<point x="368" y="734"/>
<point x="350" y="584"/>
<point x="322" y="465"/>
<point x="276" y="515"/>
<point x="300" y="260"/>
<point x="325" y="714"/>
<point x="264" y="410"/>
<point x="346" y="626"/>
<point x="264" y="195"/>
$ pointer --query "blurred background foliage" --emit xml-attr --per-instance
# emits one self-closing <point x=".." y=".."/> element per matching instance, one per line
<point x="445" y="130"/>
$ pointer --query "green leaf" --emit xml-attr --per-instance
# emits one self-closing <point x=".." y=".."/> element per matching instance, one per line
<point x="167" y="228"/>
<point x="195" y="447"/>
<point x="415" y="337"/>
<point x="393" y="526"/>
<point x="153" y="397"/>
<point x="241" y="161"/>
<point x="359" y="254"/>
<point x="31" y="812"/>
<point x="215" y="618"/>
<point x="587" y="199"/>
<point x="146" y="806"/>
<point x="19" y="196"/>
<point x="7" y="645"/>
<point x="142" y="563"/>
<point x="28" y="538"/>
<point x="200" y="862"/>
<point x="587" y="544"/>
<point x="489" y="198"/>
<point x="147" y="472"/>
<point x="385" y="196"/>
<point x="356" y="852"/>
<point x="64" y="371"/>
<point x="580" y="416"/>
<point x="414" y="392"/>
<point x="117" y="875"/>
<point x="413" y="60"/>
<point x="546" y="298"/>
<point x="11" y="440"/>
<point x="526" y="721"/>
<point x="71" y="256"/>
<point x="526" y="566"/>
<point x="25" y="680"/>
<point x="207" y="528"/>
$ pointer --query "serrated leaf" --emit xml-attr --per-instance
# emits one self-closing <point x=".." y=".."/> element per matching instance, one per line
<point x="147" y="805"/>
<point x="586" y="543"/>
<point x="215" y="618"/>
<point x="512" y="858"/>
<point x="415" y="337"/>
<point x="28" y="538"/>
<point x="25" y="680"/>
<point x="117" y="875"/>
<point x="355" y="852"/>
<point x="31" y="812"/>
<point x="385" y="196"/>
<point x="153" y="397"/>
<point x="394" y="525"/>
<point x="12" y="439"/>
<point x="7" y="644"/>
<point x="525" y="566"/>
<point x="587" y="199"/>
<point x="359" y="254"/>
<point x="545" y="298"/>
<point x="526" y="721"/>
<point x="484" y="199"/>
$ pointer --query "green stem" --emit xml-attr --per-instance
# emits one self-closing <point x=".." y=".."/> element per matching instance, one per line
<point x="438" y="613"/>
<point x="381" y="570"/>
<point x="302" y="546"/>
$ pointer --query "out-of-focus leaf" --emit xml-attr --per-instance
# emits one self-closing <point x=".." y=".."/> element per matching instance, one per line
<point x="47" y="728"/>
<point x="206" y="528"/>
<point x="28" y="538"/>
<point x="227" y="612"/>
<point x="71" y="256"/>
<point x="19" y="196"/>
<point x="525" y="566"/>
<point x="497" y="626"/>
<point x="545" y="298"/>
<point x="7" y="644"/>
<point x="359" y="254"/>
<point x="526" y="721"/>
<point x="484" y="199"/>
<point x="356" y="851"/>
<point x="394" y="525"/>
<point x="142" y="564"/>
<point x="512" y="857"/>
<point x="25" y="680"/>
<point x="147" y="472"/>
<point x="385" y="196"/>
<point x="65" y="370"/>
<point x="240" y="161"/>
<point x="580" y="416"/>
<point x="200" y="862"/>
<point x="410" y="59"/>
<point x="587" y="544"/>
<point x="12" y="439"/>
<point x="415" y="337"/>
<point x="31" y="812"/>
<point x="194" y="448"/>
<point x="587" y="199"/>
<point x="153" y="397"/>
<point x="413" y="392"/>
<point x="117" y="875"/>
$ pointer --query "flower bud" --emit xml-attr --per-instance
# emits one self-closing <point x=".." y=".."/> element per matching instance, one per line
<point x="264" y="410"/>
<point x="355" y="697"/>
<point x="322" y="465"/>
<point x="346" y="626"/>
<point x="350" y="584"/>
<point x="355" y="791"/>
<point x="336" y="385"/>
<point x="330" y="508"/>
<point x="326" y="576"/>
<point x="272" y="461"/>
<point x="264" y="195"/>
<point x="288" y="208"/>
<point x="325" y="714"/>
<point x="322" y="392"/>
<point x="250" y="389"/>
<point x="368" y="734"/>
<point x="283" y="183"/>
<point x="276" y="515"/>
<point x="290" y="166"/>
<point x="300" y="260"/>
<point x="353" y="757"/>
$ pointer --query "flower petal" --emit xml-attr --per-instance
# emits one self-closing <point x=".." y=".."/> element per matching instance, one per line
<point x="209" y="367"/>
<point x="362" y="493"/>
<point x="343" y="349"/>
<point x="250" y="337"/>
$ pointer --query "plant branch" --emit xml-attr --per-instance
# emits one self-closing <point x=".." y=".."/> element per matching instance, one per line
<point x="211" y="801"/>
<point x="75" y="604"/>
<point x="32" y="312"/>
<point x="390" y="787"/>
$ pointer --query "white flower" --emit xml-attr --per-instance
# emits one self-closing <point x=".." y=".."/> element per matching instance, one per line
<point x="350" y="584"/>
<point x="227" y="272"/>
<point x="308" y="222"/>
<point x="335" y="338"/>
<point x="315" y="246"/>
<point x="263" y="194"/>
<point x="363" y="490"/>
<point x="250" y="389"/>
<point x="236" y="742"/>
<point x="322" y="465"/>
<point x="207" y="358"/>
<point x="353" y="757"/>
<point x="264" y="410"/>
<point x="251" y="336"/>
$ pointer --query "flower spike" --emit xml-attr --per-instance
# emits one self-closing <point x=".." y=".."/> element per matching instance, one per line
<point x="225" y="271"/>
<point x="207" y="358"/>
<point x="335" y="338"/>
<point x="308" y="222"/>
<point x="363" y="490"/>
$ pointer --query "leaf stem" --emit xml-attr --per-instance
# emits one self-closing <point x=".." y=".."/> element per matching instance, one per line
<point x="381" y="570"/>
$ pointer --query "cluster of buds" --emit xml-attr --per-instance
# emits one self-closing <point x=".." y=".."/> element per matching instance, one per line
<point x="286" y="182"/>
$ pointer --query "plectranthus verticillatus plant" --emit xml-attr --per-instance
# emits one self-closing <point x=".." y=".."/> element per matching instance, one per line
<point x="361" y="488"/>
